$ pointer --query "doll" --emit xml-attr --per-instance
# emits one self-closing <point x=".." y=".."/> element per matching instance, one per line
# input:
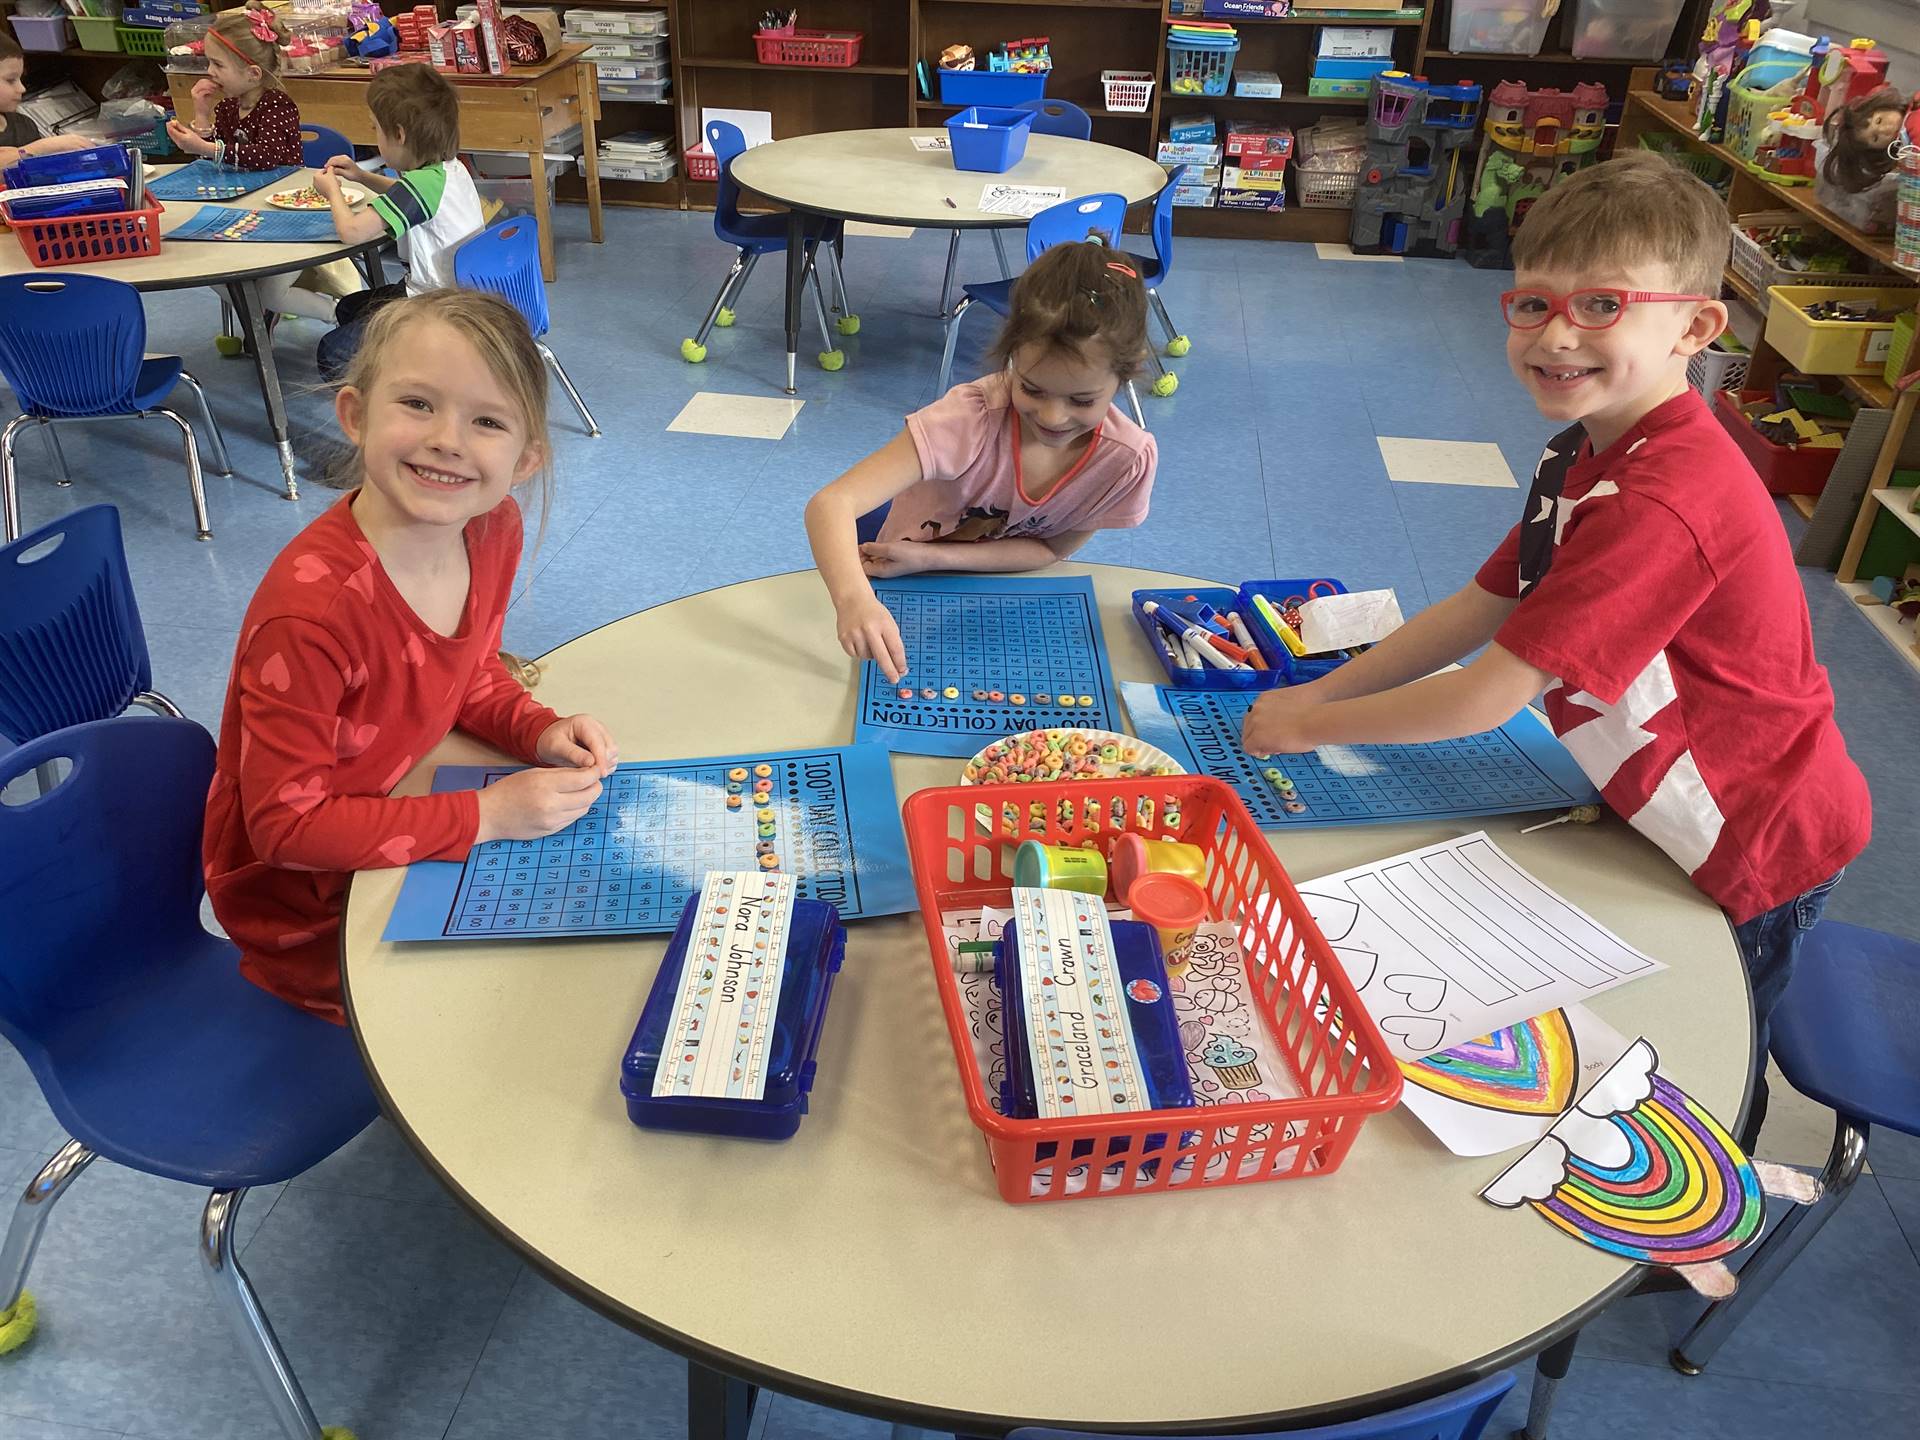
<point x="1856" y="175"/>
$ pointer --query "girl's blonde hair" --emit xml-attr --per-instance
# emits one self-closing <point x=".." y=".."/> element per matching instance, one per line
<point x="499" y="332"/>
<point x="1075" y="296"/>
<point x="236" y="28"/>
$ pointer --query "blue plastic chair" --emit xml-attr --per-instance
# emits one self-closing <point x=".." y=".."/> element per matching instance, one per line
<point x="1846" y="1033"/>
<point x="1070" y="220"/>
<point x="755" y="235"/>
<point x="1154" y="270"/>
<point x="1058" y="117"/>
<point x="319" y="144"/>
<point x="150" y="1047"/>
<point x="71" y="646"/>
<point x="72" y="347"/>
<point x="1459" y="1416"/>
<point x="505" y="258"/>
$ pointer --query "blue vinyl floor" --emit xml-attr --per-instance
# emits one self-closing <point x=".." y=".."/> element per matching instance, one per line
<point x="404" y="1319"/>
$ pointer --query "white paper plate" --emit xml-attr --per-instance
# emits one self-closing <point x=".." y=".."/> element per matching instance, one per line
<point x="352" y="194"/>
<point x="1145" y="756"/>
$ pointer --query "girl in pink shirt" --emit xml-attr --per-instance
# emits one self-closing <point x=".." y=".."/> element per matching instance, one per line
<point x="1009" y="472"/>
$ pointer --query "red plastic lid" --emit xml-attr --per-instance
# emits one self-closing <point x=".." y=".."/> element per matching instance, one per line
<point x="1161" y="897"/>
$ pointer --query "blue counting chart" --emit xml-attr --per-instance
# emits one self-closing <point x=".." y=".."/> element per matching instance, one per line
<point x="1519" y="767"/>
<point x="986" y="656"/>
<point x="204" y="180"/>
<point x="828" y="818"/>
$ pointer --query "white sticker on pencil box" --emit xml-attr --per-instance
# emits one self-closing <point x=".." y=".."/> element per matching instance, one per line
<point x="1080" y="1042"/>
<point x="720" y="1040"/>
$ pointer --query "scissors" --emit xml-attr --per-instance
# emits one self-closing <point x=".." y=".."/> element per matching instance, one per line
<point x="1290" y="607"/>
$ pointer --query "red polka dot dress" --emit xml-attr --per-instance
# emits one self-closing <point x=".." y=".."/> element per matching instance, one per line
<point x="266" y="136"/>
<point x="338" y="689"/>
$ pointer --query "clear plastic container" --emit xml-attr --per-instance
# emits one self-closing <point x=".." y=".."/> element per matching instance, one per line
<point x="185" y="41"/>
<point x="633" y="71"/>
<point x="616" y="22"/>
<point x="1497" y="27"/>
<point x="652" y="172"/>
<point x="1623" y="29"/>
<point x="621" y="47"/>
<point x="639" y="91"/>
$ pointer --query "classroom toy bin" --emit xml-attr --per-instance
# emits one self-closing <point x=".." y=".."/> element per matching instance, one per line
<point x="1200" y="67"/>
<point x="1309" y="1011"/>
<point x="991" y="87"/>
<point x="1623" y="29"/>
<point x="1128" y="92"/>
<point x="1833" y="347"/>
<point x="96" y="33"/>
<point x="139" y="40"/>
<point x="1783" y="469"/>
<point x="1499" y="27"/>
<point x="1283" y="666"/>
<point x="1752" y="262"/>
<point x="82" y="239"/>
<point x="988" y="140"/>
<point x="1718" y="367"/>
<point x="808" y="49"/>
<point x="43" y="33"/>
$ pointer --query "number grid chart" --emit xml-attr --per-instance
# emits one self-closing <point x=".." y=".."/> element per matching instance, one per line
<point x="987" y="657"/>
<point x="1517" y="768"/>
<point x="828" y="818"/>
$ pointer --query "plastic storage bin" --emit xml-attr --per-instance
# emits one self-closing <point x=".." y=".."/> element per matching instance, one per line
<point x="701" y="164"/>
<point x="1624" y="29"/>
<point x="645" y="91"/>
<point x="1207" y="678"/>
<point x="80" y="240"/>
<point x="1497" y="27"/>
<point x="1783" y="469"/>
<point x="816" y="947"/>
<point x="1752" y="262"/>
<point x="808" y="49"/>
<point x="1719" y="367"/>
<point x="1899" y="350"/>
<point x="96" y="33"/>
<point x="985" y="87"/>
<point x="1200" y="67"/>
<point x="1128" y="92"/>
<point x="138" y="40"/>
<point x="616" y="22"/>
<point x="1312" y="1018"/>
<point x="1328" y="182"/>
<point x="40" y="32"/>
<point x="989" y="140"/>
<point x="1833" y="347"/>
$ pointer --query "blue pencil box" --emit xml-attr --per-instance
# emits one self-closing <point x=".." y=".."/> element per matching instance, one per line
<point x="1283" y="666"/>
<point x="102" y="162"/>
<point x="1149" y="1009"/>
<point x="816" y="947"/>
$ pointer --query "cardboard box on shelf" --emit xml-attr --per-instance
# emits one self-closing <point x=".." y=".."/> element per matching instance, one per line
<point x="1246" y="143"/>
<point x="1234" y="178"/>
<point x="1192" y="130"/>
<point x="1194" y="197"/>
<point x="1257" y="84"/>
<point x="1353" y="42"/>
<point x="1168" y="153"/>
<point x="1251" y="199"/>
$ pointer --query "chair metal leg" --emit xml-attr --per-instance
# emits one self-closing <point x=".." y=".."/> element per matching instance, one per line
<point x="9" y="490"/>
<point x="837" y="256"/>
<point x="735" y="275"/>
<point x="1548" y="1371"/>
<point x="1160" y="310"/>
<point x="946" y="283"/>
<point x="828" y="348"/>
<point x="566" y="384"/>
<point x="160" y="705"/>
<point x="847" y="322"/>
<point x="221" y="465"/>
<point x="1000" y="251"/>
<point x="1777" y="1251"/>
<point x="953" y="339"/>
<point x="30" y="1213"/>
<point x="1133" y="399"/>
<point x="202" y="531"/>
<point x="52" y="432"/>
<point x="235" y="1296"/>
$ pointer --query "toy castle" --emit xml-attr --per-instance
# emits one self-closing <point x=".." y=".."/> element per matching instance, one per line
<point x="1413" y="192"/>
<point x="1534" y="138"/>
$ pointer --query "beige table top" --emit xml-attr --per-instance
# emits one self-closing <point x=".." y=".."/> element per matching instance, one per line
<point x="197" y="262"/>
<point x="877" y="175"/>
<point x="868" y="1262"/>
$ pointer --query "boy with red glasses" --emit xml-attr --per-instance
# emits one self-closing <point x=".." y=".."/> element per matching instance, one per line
<point x="1648" y="589"/>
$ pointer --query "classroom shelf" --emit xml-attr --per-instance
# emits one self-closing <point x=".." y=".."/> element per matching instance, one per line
<point x="1491" y="57"/>
<point x="1368" y="21"/>
<point x="1148" y="6"/>
<point x="1897" y="500"/>
<point x="1897" y="632"/>
<point x="1741" y="286"/>
<point x="1299" y="224"/>
<point x="1098" y="112"/>
<point x="716" y="62"/>
<point x="1868" y="389"/>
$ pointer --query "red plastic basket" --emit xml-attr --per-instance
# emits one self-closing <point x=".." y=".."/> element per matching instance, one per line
<point x="828" y="49"/>
<point x="1783" y="469"/>
<point x="702" y="164"/>
<point x="962" y="839"/>
<point x="81" y="239"/>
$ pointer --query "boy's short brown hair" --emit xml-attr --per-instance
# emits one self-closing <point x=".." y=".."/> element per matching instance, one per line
<point x="419" y="102"/>
<point x="10" y="48"/>
<point x="1633" y="209"/>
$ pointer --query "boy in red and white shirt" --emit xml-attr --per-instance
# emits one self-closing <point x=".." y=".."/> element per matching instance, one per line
<point x="1648" y="589"/>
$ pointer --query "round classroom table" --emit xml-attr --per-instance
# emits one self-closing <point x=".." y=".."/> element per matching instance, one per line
<point x="234" y="266"/>
<point x="878" y="176"/>
<point x="869" y="1263"/>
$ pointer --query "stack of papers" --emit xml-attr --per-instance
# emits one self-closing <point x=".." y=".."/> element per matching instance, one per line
<point x="638" y="146"/>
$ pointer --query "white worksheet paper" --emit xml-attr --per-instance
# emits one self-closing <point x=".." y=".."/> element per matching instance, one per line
<point x="936" y="143"/>
<point x="1026" y="201"/>
<point x="1455" y="941"/>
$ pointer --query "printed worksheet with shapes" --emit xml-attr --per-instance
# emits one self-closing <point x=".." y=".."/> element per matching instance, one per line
<point x="828" y="819"/>
<point x="1454" y="942"/>
<point x="987" y="656"/>
<point x="1519" y="767"/>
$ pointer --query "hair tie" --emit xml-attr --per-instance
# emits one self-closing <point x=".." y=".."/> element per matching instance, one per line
<point x="262" y="22"/>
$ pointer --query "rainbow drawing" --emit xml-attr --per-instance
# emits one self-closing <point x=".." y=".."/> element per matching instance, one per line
<point x="1640" y="1169"/>
<point x="1525" y="1069"/>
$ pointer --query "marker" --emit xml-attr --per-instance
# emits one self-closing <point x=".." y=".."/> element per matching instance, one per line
<point x="1189" y="627"/>
<point x="1278" y="626"/>
<point x="1158" y="638"/>
<point x="1198" y="639"/>
<point x="948" y="199"/>
<point x="1245" y="637"/>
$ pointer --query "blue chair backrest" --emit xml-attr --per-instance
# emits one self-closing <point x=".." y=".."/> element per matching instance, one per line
<point x="1058" y="117"/>
<point x="505" y="258"/>
<point x="1163" y="224"/>
<point x="71" y="646"/>
<point x="1459" y="1416"/>
<point x="71" y="344"/>
<point x="109" y="854"/>
<point x="319" y="144"/>
<point x="727" y="144"/>
<point x="1072" y="220"/>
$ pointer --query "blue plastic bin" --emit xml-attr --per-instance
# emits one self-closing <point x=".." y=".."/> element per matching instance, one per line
<point x="1196" y="67"/>
<point x="1205" y="678"/>
<point x="1294" y="670"/>
<point x="989" y="140"/>
<point x="101" y="162"/>
<point x="816" y="947"/>
<point x="984" y="87"/>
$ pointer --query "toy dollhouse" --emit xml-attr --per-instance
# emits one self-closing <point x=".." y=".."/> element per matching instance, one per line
<point x="1534" y="139"/>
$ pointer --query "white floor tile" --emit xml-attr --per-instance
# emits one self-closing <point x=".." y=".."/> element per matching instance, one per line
<point x="1340" y="250"/>
<point x="746" y="417"/>
<point x="1446" y="462"/>
<point x="879" y="232"/>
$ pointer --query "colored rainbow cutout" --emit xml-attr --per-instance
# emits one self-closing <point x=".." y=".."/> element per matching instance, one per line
<point x="1525" y="1069"/>
<point x="1686" y="1194"/>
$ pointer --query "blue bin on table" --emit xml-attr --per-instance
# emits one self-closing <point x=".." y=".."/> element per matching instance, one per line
<point x="990" y="87"/>
<point x="987" y="139"/>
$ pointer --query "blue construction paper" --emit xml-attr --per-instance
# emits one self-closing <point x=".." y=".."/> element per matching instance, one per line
<point x="300" y="227"/>
<point x="627" y="866"/>
<point x="1018" y="636"/>
<point x="223" y="182"/>
<point x="1519" y="767"/>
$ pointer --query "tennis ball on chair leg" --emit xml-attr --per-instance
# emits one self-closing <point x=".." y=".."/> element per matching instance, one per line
<point x="723" y="317"/>
<point x="832" y="359"/>
<point x="1166" y="384"/>
<point x="691" y="353"/>
<point x="337" y="1432"/>
<point x="229" y="345"/>
<point x="1178" y="346"/>
<point x="18" y="1324"/>
<point x="848" y="324"/>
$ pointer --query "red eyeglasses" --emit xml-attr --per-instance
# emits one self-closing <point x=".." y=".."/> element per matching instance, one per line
<point x="1588" y="309"/>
